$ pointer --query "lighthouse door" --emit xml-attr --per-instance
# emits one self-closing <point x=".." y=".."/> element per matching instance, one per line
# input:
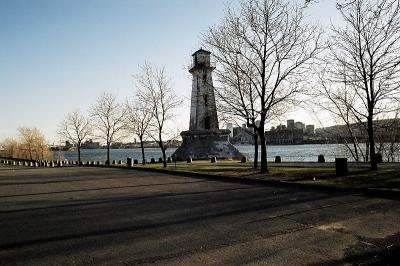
<point x="207" y="122"/>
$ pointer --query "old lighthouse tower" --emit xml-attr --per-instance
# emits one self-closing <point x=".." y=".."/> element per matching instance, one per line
<point x="204" y="139"/>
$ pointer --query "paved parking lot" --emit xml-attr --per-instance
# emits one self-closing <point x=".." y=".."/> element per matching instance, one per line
<point x="99" y="216"/>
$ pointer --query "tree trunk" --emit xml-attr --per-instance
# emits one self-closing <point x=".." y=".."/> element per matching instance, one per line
<point x="255" y="137"/>
<point x="357" y="159"/>
<point x="371" y="140"/>
<point x="164" y="158"/>
<point x="264" y="163"/>
<point x="79" y="154"/>
<point x="108" y="154"/>
<point x="142" y="147"/>
<point x="161" y="144"/>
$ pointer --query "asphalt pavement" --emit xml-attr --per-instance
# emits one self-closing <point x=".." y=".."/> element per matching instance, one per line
<point x="104" y="216"/>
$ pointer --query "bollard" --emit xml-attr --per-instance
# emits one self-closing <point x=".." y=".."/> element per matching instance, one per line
<point x="120" y="162"/>
<point x="169" y="160"/>
<point x="341" y="166"/>
<point x="129" y="162"/>
<point x="244" y="159"/>
<point x="152" y="160"/>
<point x="114" y="162"/>
<point x="213" y="159"/>
<point x="136" y="161"/>
<point x="51" y="164"/>
<point x="160" y="160"/>
<point x="189" y="160"/>
<point x="278" y="159"/>
<point x="321" y="158"/>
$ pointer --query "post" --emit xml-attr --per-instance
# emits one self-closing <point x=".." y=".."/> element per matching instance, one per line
<point x="341" y="167"/>
<point x="129" y="162"/>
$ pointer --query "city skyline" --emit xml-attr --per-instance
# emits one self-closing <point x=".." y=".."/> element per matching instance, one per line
<point x="59" y="56"/>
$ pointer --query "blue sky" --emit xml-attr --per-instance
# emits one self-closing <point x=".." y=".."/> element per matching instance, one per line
<point x="58" y="56"/>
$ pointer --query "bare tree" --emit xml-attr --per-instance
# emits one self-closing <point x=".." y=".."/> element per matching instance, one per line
<point x="235" y="94"/>
<point x="155" y="89"/>
<point x="28" y="139"/>
<point x="31" y="145"/>
<point x="11" y="148"/>
<point x="364" y="56"/>
<point x="138" y="118"/>
<point x="76" y="128"/>
<point x="388" y="137"/>
<point x="271" y="45"/>
<point x="109" y="117"/>
<point x="337" y="100"/>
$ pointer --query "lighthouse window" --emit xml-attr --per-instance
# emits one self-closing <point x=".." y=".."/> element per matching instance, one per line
<point x="207" y="122"/>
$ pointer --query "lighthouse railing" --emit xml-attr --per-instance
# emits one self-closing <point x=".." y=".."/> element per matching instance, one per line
<point x="201" y="64"/>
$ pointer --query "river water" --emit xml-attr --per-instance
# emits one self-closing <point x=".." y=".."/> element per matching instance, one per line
<point x="292" y="153"/>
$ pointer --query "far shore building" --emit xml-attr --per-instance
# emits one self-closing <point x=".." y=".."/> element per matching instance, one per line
<point x="292" y="133"/>
<point x="229" y="126"/>
<point x="310" y="130"/>
<point x="90" y="144"/>
<point x="243" y="135"/>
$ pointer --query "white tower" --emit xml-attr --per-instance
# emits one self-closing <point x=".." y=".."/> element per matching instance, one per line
<point x="204" y="139"/>
<point x="203" y="112"/>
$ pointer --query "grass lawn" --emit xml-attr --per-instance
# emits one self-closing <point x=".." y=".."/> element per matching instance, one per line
<point x="388" y="175"/>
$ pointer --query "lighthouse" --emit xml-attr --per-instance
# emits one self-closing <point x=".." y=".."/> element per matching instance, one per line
<point x="204" y="139"/>
<point x="203" y="112"/>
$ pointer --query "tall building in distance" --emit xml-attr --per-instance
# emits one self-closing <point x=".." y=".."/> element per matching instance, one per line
<point x="310" y="130"/>
<point x="290" y="124"/>
<point x="292" y="133"/>
<point x="300" y="125"/>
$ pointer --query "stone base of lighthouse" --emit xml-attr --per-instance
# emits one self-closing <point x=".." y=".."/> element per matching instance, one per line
<point x="205" y="144"/>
